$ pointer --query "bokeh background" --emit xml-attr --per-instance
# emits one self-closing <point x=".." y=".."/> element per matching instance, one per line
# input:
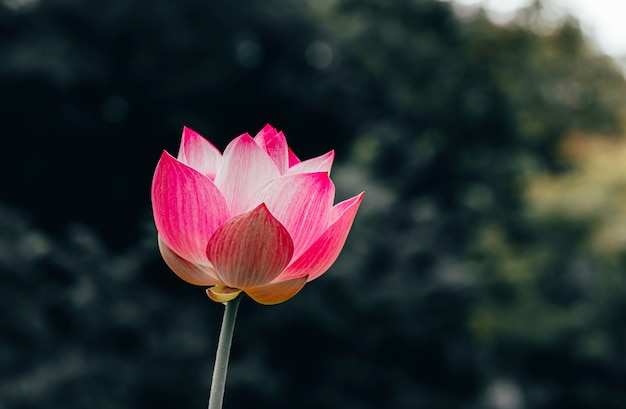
<point x="486" y="268"/>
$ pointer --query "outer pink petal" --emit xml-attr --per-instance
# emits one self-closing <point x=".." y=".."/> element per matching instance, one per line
<point x="324" y="251"/>
<point x="321" y="163"/>
<point x="277" y="292"/>
<point x="192" y="273"/>
<point x="245" y="166"/>
<point x="187" y="208"/>
<point x="250" y="250"/>
<point x="275" y="144"/>
<point x="302" y="203"/>
<point x="199" y="153"/>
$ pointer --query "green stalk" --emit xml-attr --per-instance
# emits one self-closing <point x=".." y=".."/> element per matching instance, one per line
<point x="218" y="383"/>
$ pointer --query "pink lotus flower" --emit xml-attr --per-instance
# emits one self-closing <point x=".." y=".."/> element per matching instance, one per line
<point x="255" y="219"/>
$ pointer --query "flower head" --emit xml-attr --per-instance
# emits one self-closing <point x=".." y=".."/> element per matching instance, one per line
<point x="255" y="219"/>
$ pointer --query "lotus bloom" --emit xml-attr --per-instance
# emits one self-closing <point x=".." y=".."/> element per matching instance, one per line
<point x="255" y="219"/>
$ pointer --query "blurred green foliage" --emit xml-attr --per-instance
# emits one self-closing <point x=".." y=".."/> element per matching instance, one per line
<point x="485" y="269"/>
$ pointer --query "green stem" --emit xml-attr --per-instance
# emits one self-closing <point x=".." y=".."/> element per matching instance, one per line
<point x="218" y="383"/>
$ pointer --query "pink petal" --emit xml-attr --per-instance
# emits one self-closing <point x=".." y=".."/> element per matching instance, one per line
<point x="187" y="208"/>
<point x="275" y="145"/>
<point x="321" y="163"/>
<point x="250" y="250"/>
<point x="267" y="133"/>
<point x="199" y="153"/>
<point x="302" y="203"/>
<point x="277" y="292"/>
<point x="293" y="159"/>
<point x="192" y="273"/>
<point x="245" y="166"/>
<point x="324" y="251"/>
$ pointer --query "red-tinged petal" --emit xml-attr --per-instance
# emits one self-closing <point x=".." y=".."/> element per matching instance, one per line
<point x="187" y="208"/>
<point x="195" y="274"/>
<point x="277" y="292"/>
<point x="275" y="145"/>
<point x="268" y="132"/>
<point x="265" y="135"/>
<point x="198" y="153"/>
<point x="293" y="159"/>
<point x="302" y="203"/>
<point x="321" y="163"/>
<point x="245" y="166"/>
<point x="324" y="251"/>
<point x="250" y="250"/>
<point x="221" y="293"/>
